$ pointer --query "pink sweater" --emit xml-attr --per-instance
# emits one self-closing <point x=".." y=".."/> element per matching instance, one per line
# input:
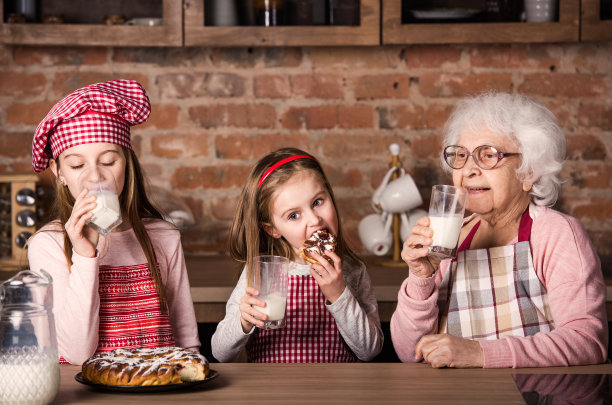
<point x="568" y="268"/>
<point x="75" y="294"/>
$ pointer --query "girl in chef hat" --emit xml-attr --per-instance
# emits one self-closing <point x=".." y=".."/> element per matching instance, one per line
<point x="127" y="288"/>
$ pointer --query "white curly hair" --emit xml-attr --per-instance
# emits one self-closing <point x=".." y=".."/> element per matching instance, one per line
<point x="533" y="127"/>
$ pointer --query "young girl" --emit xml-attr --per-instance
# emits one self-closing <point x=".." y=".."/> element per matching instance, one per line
<point x="332" y="315"/>
<point x="126" y="289"/>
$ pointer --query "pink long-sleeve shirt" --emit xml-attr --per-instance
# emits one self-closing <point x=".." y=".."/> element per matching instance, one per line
<point x="76" y="300"/>
<point x="567" y="266"/>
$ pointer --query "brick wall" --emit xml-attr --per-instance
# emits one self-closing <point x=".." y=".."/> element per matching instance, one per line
<point x="216" y="111"/>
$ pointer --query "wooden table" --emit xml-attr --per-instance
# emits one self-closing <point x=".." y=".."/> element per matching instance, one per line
<point x="361" y="383"/>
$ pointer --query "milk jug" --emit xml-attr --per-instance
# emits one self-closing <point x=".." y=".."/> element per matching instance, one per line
<point x="29" y="367"/>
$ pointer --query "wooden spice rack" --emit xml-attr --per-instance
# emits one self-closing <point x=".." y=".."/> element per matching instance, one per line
<point x="15" y="256"/>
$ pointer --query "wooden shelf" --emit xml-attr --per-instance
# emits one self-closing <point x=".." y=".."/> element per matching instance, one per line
<point x="170" y="33"/>
<point x="565" y="30"/>
<point x="592" y="27"/>
<point x="197" y="34"/>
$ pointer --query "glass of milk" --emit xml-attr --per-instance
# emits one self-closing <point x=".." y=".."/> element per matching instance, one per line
<point x="446" y="210"/>
<point x="271" y="278"/>
<point x="107" y="213"/>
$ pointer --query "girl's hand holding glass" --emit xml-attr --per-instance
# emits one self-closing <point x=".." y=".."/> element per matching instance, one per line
<point x="415" y="252"/>
<point x="328" y="277"/>
<point x="84" y="239"/>
<point x="249" y="316"/>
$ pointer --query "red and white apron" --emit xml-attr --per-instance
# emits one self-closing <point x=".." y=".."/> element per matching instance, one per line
<point x="310" y="334"/>
<point x="494" y="292"/>
<point x="130" y="313"/>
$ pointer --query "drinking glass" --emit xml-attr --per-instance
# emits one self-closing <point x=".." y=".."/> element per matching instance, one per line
<point x="100" y="182"/>
<point x="271" y="278"/>
<point x="446" y="210"/>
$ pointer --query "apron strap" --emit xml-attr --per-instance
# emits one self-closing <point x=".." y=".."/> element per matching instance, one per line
<point x="468" y="239"/>
<point x="525" y="226"/>
<point x="523" y="234"/>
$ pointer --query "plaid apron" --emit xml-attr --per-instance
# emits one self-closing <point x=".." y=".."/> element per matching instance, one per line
<point x="310" y="334"/>
<point x="494" y="292"/>
<point x="130" y="314"/>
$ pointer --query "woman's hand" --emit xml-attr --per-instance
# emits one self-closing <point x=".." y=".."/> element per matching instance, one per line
<point x="415" y="255"/>
<point x="328" y="277"/>
<point x="444" y="350"/>
<point x="249" y="316"/>
<point x="84" y="239"/>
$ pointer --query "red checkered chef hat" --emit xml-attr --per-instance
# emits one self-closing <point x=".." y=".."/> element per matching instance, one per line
<point x="101" y="112"/>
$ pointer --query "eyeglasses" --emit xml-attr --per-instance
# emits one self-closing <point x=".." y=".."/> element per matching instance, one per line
<point x="486" y="157"/>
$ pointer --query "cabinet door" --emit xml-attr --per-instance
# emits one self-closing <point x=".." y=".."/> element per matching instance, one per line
<point x="476" y="29"/>
<point x="166" y="31"/>
<point x="596" y="20"/>
<point x="365" y="31"/>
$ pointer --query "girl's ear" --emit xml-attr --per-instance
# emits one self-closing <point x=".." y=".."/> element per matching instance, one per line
<point x="271" y="230"/>
<point x="55" y="169"/>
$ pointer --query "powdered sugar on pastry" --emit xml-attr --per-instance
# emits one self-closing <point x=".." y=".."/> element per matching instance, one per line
<point x="142" y="366"/>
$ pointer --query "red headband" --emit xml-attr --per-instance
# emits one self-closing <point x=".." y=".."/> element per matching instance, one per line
<point x="280" y="163"/>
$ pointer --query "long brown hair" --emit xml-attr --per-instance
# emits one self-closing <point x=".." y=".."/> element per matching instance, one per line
<point x="135" y="206"/>
<point x="247" y="235"/>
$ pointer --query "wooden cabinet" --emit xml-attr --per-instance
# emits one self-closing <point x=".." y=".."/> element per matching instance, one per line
<point x="596" y="20"/>
<point x="366" y="33"/>
<point x="183" y="24"/>
<point x="169" y="33"/>
<point x="566" y="29"/>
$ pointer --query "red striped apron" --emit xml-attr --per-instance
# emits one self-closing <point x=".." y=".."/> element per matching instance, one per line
<point x="130" y="315"/>
<point x="310" y="334"/>
<point x="489" y="293"/>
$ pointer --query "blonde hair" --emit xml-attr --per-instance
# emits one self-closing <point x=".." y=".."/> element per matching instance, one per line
<point x="135" y="207"/>
<point x="247" y="235"/>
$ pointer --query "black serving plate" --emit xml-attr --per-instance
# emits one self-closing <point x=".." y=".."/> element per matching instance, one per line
<point x="148" y="388"/>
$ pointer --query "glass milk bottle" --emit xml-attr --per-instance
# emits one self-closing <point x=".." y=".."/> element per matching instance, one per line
<point x="99" y="181"/>
<point x="29" y="362"/>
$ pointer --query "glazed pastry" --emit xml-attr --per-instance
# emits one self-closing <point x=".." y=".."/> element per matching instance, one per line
<point x="320" y="241"/>
<point x="155" y="366"/>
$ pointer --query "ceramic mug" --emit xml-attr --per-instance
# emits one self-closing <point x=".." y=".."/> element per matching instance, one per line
<point x="375" y="233"/>
<point x="408" y="221"/>
<point x="400" y="195"/>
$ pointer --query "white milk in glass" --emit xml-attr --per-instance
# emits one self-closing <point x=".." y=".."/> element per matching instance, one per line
<point x="107" y="214"/>
<point x="35" y="382"/>
<point x="275" y="307"/>
<point x="446" y="231"/>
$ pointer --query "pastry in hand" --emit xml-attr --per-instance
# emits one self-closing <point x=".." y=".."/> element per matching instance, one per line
<point x="319" y="242"/>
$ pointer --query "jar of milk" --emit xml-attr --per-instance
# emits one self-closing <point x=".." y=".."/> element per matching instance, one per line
<point x="29" y="362"/>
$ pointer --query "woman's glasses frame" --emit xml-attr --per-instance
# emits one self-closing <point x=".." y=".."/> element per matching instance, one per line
<point x="451" y="151"/>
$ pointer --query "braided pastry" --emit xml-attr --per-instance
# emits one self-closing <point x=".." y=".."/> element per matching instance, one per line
<point x="320" y="241"/>
<point x="155" y="366"/>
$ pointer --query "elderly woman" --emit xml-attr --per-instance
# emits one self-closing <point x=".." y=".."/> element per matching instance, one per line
<point x="526" y="287"/>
